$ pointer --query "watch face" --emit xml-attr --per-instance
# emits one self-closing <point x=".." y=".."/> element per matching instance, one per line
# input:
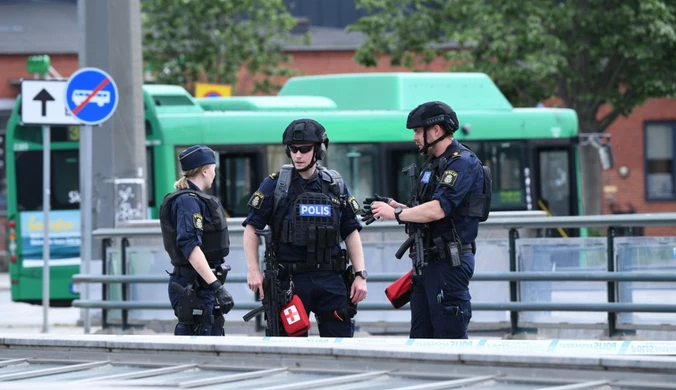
<point x="362" y="273"/>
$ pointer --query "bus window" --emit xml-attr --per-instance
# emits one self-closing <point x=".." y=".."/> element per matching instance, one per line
<point x="64" y="180"/>
<point x="555" y="186"/>
<point x="276" y="158"/>
<point x="507" y="161"/>
<point x="33" y="134"/>
<point x="357" y="164"/>
<point x="397" y="158"/>
<point x="239" y="172"/>
<point x="239" y="178"/>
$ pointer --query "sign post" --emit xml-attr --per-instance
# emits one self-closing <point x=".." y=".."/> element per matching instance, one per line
<point x="42" y="104"/>
<point x="46" y="205"/>
<point x="91" y="97"/>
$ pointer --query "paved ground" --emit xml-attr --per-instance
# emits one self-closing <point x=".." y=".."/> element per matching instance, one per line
<point x="24" y="318"/>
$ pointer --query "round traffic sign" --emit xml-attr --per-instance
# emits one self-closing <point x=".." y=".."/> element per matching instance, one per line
<point x="91" y="95"/>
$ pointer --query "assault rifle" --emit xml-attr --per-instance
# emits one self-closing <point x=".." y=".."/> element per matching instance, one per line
<point x="415" y="231"/>
<point x="274" y="298"/>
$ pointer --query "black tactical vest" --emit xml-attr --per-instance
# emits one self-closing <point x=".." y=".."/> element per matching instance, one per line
<point x="473" y="204"/>
<point x="314" y="220"/>
<point x="215" y="237"/>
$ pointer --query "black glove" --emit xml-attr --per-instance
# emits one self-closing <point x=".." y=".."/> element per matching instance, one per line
<point x="223" y="296"/>
<point x="366" y="213"/>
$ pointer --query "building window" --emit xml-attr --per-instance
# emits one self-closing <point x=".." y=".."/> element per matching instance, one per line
<point x="660" y="147"/>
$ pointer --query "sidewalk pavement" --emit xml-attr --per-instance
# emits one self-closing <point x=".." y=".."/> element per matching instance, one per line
<point x="4" y="281"/>
<point x="18" y="317"/>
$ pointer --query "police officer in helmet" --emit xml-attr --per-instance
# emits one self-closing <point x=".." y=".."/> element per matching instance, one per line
<point x="310" y="212"/>
<point x="195" y="234"/>
<point x="448" y="180"/>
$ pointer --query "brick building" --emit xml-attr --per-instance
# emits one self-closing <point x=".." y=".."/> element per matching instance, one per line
<point x="644" y="144"/>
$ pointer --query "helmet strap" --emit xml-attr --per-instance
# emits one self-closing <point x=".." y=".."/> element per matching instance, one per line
<point x="426" y="146"/>
<point x="311" y="164"/>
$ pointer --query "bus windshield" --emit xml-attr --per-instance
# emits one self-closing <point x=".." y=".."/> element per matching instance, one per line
<point x="64" y="180"/>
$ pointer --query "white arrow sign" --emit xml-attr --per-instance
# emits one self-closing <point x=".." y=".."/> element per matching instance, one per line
<point x="43" y="103"/>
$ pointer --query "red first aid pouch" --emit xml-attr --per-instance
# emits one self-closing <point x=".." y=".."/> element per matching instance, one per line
<point x="294" y="317"/>
<point x="399" y="292"/>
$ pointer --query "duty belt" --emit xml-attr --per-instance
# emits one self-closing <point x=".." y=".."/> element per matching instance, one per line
<point x="433" y="252"/>
<point x="301" y="268"/>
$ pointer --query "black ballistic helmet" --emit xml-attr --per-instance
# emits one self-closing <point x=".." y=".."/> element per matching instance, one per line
<point x="307" y="131"/>
<point x="432" y="113"/>
<point x="304" y="131"/>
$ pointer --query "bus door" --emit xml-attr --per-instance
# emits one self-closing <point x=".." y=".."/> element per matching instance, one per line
<point x="555" y="182"/>
<point x="554" y="193"/>
<point x="239" y="172"/>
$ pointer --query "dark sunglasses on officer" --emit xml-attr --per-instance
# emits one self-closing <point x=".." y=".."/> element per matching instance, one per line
<point x="303" y="149"/>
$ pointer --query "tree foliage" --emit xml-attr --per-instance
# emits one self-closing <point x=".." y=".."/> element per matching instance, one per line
<point x="589" y="53"/>
<point x="183" y="39"/>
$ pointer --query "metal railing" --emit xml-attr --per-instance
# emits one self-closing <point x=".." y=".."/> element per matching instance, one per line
<point x="514" y="306"/>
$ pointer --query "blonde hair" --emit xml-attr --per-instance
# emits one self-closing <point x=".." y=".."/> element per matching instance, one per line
<point x="182" y="183"/>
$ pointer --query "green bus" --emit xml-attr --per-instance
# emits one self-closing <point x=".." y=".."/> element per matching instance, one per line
<point x="532" y="153"/>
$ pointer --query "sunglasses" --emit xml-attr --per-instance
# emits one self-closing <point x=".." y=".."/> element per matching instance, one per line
<point x="303" y="149"/>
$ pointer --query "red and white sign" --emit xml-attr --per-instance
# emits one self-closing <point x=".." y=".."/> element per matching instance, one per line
<point x="291" y="315"/>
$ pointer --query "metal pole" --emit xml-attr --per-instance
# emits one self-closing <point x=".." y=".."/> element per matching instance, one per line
<point x="46" y="205"/>
<point x="513" y="285"/>
<point x="612" y="317"/>
<point x="84" y="134"/>
<point x="86" y="178"/>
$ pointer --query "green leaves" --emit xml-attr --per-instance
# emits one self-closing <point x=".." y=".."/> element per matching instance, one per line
<point x="187" y="39"/>
<point x="587" y="52"/>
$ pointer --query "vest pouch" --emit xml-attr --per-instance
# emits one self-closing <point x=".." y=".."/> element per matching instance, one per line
<point x="479" y="206"/>
<point x="399" y="292"/>
<point x="488" y="193"/>
<point x="294" y="317"/>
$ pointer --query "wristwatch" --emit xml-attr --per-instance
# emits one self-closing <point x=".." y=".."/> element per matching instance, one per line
<point x="364" y="275"/>
<point x="398" y="211"/>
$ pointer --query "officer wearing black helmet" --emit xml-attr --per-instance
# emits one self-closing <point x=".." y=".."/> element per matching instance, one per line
<point x="450" y="188"/>
<point x="310" y="212"/>
<point x="195" y="234"/>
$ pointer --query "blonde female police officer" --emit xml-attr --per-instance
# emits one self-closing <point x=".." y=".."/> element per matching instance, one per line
<point x="195" y="234"/>
<point x="308" y="242"/>
<point x="452" y="195"/>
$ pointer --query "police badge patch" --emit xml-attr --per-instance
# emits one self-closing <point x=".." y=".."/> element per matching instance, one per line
<point x="449" y="178"/>
<point x="426" y="177"/>
<point x="197" y="221"/>
<point x="256" y="200"/>
<point x="353" y="203"/>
